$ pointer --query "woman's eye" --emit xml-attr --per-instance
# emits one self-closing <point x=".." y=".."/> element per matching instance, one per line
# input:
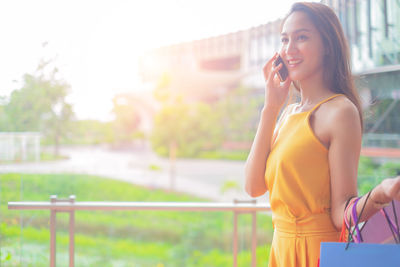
<point x="284" y="40"/>
<point x="302" y="37"/>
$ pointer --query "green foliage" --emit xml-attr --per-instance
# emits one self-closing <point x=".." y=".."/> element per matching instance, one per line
<point x="111" y="238"/>
<point x="50" y="157"/>
<point x="227" y="155"/>
<point x="199" y="129"/>
<point x="90" y="132"/>
<point x="127" y="118"/>
<point x="192" y="128"/>
<point x="43" y="157"/>
<point x="391" y="169"/>
<point x="230" y="185"/>
<point x="4" y="119"/>
<point x="39" y="105"/>
<point x="154" y="167"/>
<point x="162" y="92"/>
<point x="138" y="135"/>
<point x="239" y="110"/>
<point x="370" y="173"/>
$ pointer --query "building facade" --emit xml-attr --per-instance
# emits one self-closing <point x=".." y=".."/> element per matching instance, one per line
<point x="206" y="69"/>
<point x="19" y="146"/>
<point x="372" y="28"/>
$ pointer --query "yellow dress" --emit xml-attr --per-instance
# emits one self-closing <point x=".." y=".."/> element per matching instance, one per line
<point x="298" y="179"/>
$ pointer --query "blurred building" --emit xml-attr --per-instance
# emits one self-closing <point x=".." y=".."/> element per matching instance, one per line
<point x="19" y="146"/>
<point x="206" y="69"/>
<point x="372" y="28"/>
<point x="135" y="111"/>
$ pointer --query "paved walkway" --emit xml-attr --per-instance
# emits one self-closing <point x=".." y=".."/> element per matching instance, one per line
<point x="203" y="178"/>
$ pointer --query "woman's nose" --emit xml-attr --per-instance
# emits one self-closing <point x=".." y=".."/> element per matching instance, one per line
<point x="290" y="48"/>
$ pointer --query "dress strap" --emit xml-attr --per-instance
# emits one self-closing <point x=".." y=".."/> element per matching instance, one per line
<point x="323" y="101"/>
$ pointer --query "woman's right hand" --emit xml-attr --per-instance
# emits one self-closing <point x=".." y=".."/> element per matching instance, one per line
<point x="275" y="91"/>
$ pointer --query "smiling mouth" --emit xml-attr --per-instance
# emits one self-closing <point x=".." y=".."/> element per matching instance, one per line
<point x="294" y="63"/>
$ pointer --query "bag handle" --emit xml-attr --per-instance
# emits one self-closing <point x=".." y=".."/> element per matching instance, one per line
<point x="394" y="227"/>
<point x="356" y="219"/>
<point x="346" y="224"/>
<point x="396" y="221"/>
<point x="358" y="237"/>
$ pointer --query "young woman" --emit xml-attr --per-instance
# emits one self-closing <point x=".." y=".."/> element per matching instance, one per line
<point x="308" y="160"/>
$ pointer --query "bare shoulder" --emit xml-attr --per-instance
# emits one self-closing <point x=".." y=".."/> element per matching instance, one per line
<point x="342" y="108"/>
<point x="341" y="113"/>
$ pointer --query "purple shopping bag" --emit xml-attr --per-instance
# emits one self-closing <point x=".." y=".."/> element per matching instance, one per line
<point x="376" y="229"/>
<point x="334" y="254"/>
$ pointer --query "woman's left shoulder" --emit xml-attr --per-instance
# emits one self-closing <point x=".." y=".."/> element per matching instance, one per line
<point x="341" y="106"/>
<point x="343" y="112"/>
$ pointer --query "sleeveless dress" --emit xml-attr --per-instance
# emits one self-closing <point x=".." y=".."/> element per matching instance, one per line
<point x="298" y="179"/>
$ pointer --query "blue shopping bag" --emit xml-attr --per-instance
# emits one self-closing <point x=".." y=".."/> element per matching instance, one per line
<point x="356" y="252"/>
<point x="334" y="254"/>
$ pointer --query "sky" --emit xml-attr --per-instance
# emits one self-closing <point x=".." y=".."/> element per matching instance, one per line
<point x="96" y="44"/>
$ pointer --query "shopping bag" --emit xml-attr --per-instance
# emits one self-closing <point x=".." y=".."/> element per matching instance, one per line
<point x="334" y="254"/>
<point x="376" y="229"/>
<point x="382" y="227"/>
<point x="356" y="251"/>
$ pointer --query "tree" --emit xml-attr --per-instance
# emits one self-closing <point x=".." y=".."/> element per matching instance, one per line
<point x="190" y="127"/>
<point x="40" y="105"/>
<point x="239" y="110"/>
<point x="127" y="118"/>
<point x="4" y="123"/>
<point x="90" y="132"/>
<point x="184" y="130"/>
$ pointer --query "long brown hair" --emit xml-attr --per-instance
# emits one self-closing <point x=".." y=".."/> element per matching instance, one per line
<point x="337" y="65"/>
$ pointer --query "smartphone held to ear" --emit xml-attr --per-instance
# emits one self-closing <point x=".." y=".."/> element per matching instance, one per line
<point x="283" y="72"/>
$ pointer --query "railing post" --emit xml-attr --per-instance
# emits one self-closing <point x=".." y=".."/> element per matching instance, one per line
<point x="235" y="238"/>
<point x="253" y="236"/>
<point x="71" y="232"/>
<point x="53" y="224"/>
<point x="254" y="240"/>
<point x="69" y="205"/>
<point x="53" y="200"/>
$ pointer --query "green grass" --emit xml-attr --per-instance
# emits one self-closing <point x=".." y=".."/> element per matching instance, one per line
<point x="120" y="238"/>
<point x="50" y="157"/>
<point x="154" y="167"/>
<point x="226" y="155"/>
<point x="44" y="156"/>
<point x="132" y="238"/>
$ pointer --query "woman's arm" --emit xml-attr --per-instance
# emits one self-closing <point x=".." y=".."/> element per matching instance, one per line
<point x="256" y="161"/>
<point x="344" y="153"/>
<point x="275" y="95"/>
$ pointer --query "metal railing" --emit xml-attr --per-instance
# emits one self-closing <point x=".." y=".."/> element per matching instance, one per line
<point x="381" y="140"/>
<point x="70" y="206"/>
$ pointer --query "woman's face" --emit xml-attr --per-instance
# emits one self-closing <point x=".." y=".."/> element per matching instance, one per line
<point x="302" y="47"/>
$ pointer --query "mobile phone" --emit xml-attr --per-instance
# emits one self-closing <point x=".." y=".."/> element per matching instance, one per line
<point x="283" y="72"/>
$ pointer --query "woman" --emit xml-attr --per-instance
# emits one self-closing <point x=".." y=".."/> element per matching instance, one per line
<point x="308" y="160"/>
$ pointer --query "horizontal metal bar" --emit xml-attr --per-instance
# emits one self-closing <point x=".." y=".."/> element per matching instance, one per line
<point x="379" y="69"/>
<point x="181" y="206"/>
